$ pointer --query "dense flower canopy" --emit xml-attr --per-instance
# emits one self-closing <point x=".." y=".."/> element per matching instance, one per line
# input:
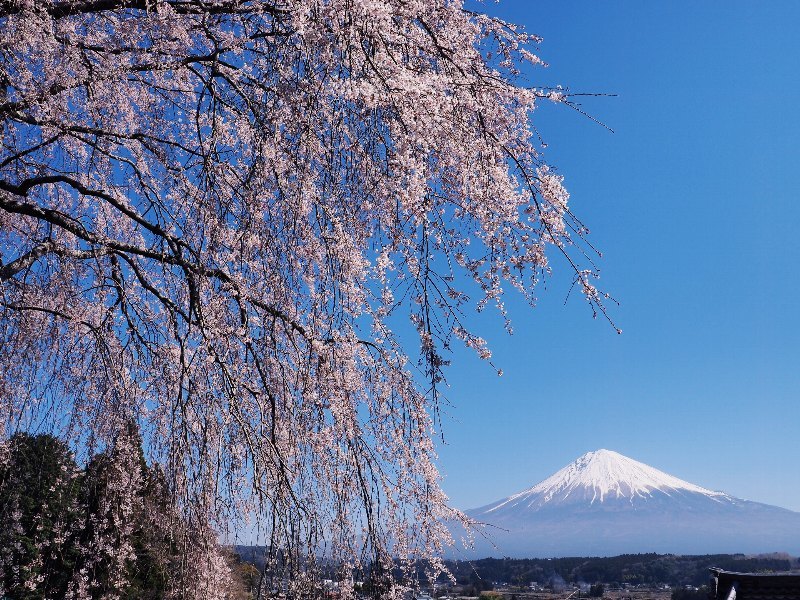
<point x="211" y="211"/>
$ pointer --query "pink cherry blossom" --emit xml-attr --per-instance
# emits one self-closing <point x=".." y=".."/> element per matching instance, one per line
<point x="211" y="211"/>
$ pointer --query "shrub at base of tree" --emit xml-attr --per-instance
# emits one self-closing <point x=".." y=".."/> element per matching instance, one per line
<point x="597" y="590"/>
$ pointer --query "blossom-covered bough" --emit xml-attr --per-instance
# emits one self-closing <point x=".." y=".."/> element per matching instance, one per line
<point x="211" y="210"/>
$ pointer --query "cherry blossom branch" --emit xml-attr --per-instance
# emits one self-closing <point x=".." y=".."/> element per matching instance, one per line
<point x="68" y="8"/>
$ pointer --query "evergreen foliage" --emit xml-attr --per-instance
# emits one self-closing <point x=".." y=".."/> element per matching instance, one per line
<point x="108" y="531"/>
<point x="39" y="500"/>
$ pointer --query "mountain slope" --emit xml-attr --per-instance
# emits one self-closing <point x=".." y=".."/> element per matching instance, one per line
<point x="604" y="504"/>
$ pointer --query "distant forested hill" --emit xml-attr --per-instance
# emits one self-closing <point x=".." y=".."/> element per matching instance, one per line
<point x="633" y="569"/>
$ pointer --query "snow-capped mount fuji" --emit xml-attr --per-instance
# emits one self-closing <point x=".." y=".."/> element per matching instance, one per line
<point x="605" y="503"/>
<point x="603" y="476"/>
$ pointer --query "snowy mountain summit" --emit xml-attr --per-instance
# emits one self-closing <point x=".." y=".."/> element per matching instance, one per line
<point x="600" y="476"/>
<point x="605" y="503"/>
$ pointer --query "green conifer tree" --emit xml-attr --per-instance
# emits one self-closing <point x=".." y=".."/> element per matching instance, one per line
<point x="39" y="507"/>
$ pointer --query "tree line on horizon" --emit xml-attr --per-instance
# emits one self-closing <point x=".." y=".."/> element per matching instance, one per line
<point x="631" y="569"/>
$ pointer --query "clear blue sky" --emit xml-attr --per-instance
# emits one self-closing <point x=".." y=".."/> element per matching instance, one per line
<point x="694" y="202"/>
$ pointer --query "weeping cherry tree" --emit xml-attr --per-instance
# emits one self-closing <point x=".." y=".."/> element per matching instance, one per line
<point x="216" y="217"/>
